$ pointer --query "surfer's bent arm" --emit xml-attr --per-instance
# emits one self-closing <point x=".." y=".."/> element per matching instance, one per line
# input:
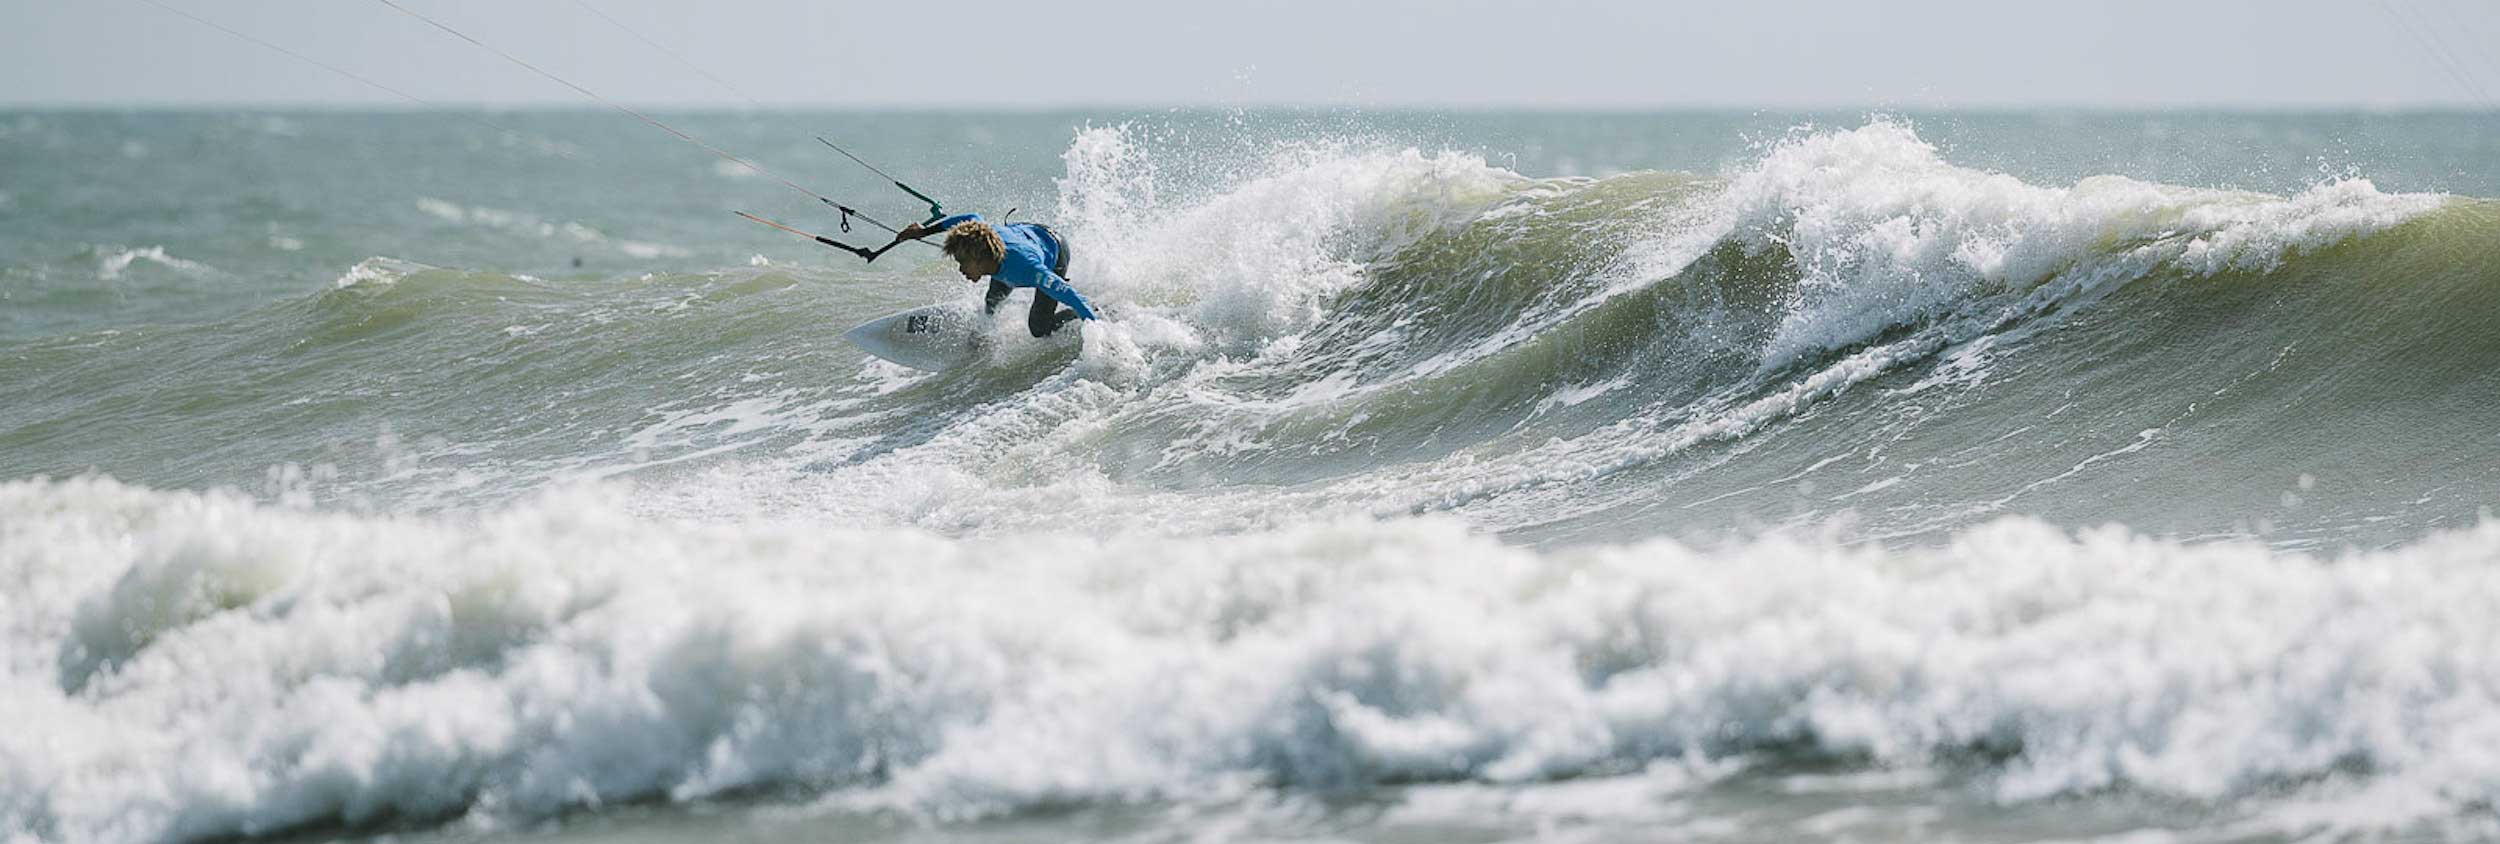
<point x="917" y="231"/>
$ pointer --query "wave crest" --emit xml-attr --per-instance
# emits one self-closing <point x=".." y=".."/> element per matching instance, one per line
<point x="1883" y="232"/>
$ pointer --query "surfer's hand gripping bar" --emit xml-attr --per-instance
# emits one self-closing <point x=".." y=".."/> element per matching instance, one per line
<point x="914" y="231"/>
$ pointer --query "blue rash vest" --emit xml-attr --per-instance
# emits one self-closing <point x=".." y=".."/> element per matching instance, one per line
<point x="1031" y="252"/>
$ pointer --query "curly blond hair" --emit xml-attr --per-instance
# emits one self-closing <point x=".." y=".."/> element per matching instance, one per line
<point x="975" y="241"/>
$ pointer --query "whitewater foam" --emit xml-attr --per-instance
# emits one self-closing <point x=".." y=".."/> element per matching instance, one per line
<point x="207" y="665"/>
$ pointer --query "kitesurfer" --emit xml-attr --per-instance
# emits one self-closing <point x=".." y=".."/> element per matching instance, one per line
<point x="1011" y="255"/>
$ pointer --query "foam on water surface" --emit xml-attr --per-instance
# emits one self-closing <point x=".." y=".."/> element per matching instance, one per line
<point x="207" y="665"/>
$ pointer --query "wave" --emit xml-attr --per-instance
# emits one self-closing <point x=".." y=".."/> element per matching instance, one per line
<point x="111" y="267"/>
<point x="527" y="225"/>
<point x="207" y="665"/>
<point x="1540" y="352"/>
<point x="1850" y="325"/>
<point x="68" y="290"/>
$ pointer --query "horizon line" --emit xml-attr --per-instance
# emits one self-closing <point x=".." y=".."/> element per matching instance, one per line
<point x="2445" y="107"/>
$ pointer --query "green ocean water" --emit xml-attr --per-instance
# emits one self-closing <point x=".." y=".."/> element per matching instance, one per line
<point x="1994" y="476"/>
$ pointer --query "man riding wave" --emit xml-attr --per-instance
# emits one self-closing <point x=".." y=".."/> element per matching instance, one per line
<point x="1011" y="255"/>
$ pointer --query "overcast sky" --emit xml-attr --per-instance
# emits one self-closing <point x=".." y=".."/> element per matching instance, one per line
<point x="1507" y="53"/>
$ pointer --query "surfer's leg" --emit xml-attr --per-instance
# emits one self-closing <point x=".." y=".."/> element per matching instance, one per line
<point x="1046" y="315"/>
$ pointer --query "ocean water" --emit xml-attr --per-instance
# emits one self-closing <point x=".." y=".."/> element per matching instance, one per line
<point x="478" y="476"/>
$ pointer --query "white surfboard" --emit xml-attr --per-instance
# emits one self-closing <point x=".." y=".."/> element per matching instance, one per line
<point x="935" y="337"/>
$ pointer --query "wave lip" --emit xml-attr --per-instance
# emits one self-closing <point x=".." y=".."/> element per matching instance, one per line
<point x="210" y="666"/>
<point x="1884" y="232"/>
